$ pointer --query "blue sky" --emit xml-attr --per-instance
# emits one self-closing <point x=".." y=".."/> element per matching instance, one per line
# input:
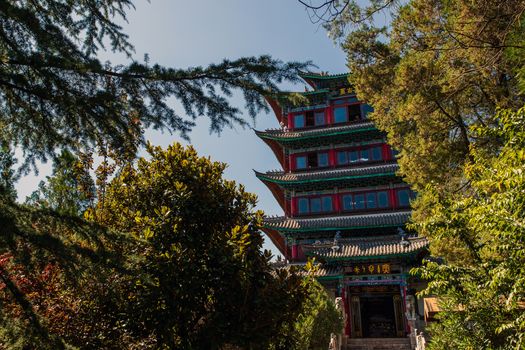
<point x="191" y="33"/>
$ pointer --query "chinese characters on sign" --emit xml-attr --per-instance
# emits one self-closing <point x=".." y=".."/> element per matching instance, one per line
<point x="368" y="269"/>
<point x="346" y="91"/>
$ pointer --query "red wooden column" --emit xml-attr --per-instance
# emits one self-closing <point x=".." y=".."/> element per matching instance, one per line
<point x="293" y="207"/>
<point x="336" y="198"/>
<point x="387" y="154"/>
<point x="331" y="158"/>
<point x="295" y="253"/>
<point x="392" y="195"/>
<point x="329" y="115"/>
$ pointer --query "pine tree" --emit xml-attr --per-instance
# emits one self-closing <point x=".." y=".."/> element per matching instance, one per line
<point x="55" y="93"/>
<point x="8" y="175"/>
<point x="66" y="190"/>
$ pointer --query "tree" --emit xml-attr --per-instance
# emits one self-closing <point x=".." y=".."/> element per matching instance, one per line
<point x="337" y="15"/>
<point x="57" y="94"/>
<point x="8" y="175"/>
<point x="68" y="190"/>
<point x="204" y="281"/>
<point x="438" y="68"/>
<point x="64" y="283"/>
<point x="318" y="320"/>
<point x="482" y="286"/>
<point x="446" y="82"/>
<point x="180" y="266"/>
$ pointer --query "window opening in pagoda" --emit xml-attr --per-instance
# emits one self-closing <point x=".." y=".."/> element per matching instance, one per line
<point x="371" y="200"/>
<point x="327" y="203"/>
<point x="364" y="155"/>
<point x="394" y="153"/>
<point x="303" y="205"/>
<point x="403" y="198"/>
<point x="299" y="121"/>
<point x="322" y="159"/>
<point x="315" y="205"/>
<point x="354" y="112"/>
<point x="348" y="204"/>
<point x="359" y="201"/>
<point x="377" y="153"/>
<point x="342" y="157"/>
<point x="353" y="156"/>
<point x="300" y="162"/>
<point x="319" y="118"/>
<point x="382" y="199"/>
<point x="312" y="160"/>
<point x="340" y="115"/>
<point x="310" y="119"/>
<point x="366" y="110"/>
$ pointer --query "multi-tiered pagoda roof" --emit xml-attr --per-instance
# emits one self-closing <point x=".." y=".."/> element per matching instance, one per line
<point x="344" y="204"/>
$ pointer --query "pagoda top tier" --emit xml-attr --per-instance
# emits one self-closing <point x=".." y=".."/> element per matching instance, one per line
<point x="324" y="80"/>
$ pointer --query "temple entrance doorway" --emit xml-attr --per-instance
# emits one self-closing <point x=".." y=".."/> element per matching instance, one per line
<point x="376" y="312"/>
<point x="377" y="316"/>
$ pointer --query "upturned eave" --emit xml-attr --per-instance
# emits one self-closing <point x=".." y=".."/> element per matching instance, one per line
<point x="330" y="175"/>
<point x="277" y="192"/>
<point x="276" y="238"/>
<point x="295" y="135"/>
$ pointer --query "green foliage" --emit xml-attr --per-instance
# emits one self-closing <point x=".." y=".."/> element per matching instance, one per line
<point x="57" y="94"/>
<point x="445" y="78"/>
<point x="337" y="16"/>
<point x="68" y="190"/>
<point x="61" y="282"/>
<point x="483" y="283"/>
<point x="204" y="281"/>
<point x="318" y="321"/>
<point x="8" y="175"/>
<point x="437" y="69"/>
<point x="432" y="75"/>
<point x="189" y="272"/>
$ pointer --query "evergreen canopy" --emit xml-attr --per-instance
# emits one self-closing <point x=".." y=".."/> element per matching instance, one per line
<point x="56" y="93"/>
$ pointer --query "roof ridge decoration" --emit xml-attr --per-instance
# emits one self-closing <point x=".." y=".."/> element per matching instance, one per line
<point x="322" y="75"/>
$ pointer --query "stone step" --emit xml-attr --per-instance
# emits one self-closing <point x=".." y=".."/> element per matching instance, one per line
<point x="378" y="344"/>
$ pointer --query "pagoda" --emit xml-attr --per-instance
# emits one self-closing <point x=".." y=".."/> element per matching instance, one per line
<point x="345" y="206"/>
